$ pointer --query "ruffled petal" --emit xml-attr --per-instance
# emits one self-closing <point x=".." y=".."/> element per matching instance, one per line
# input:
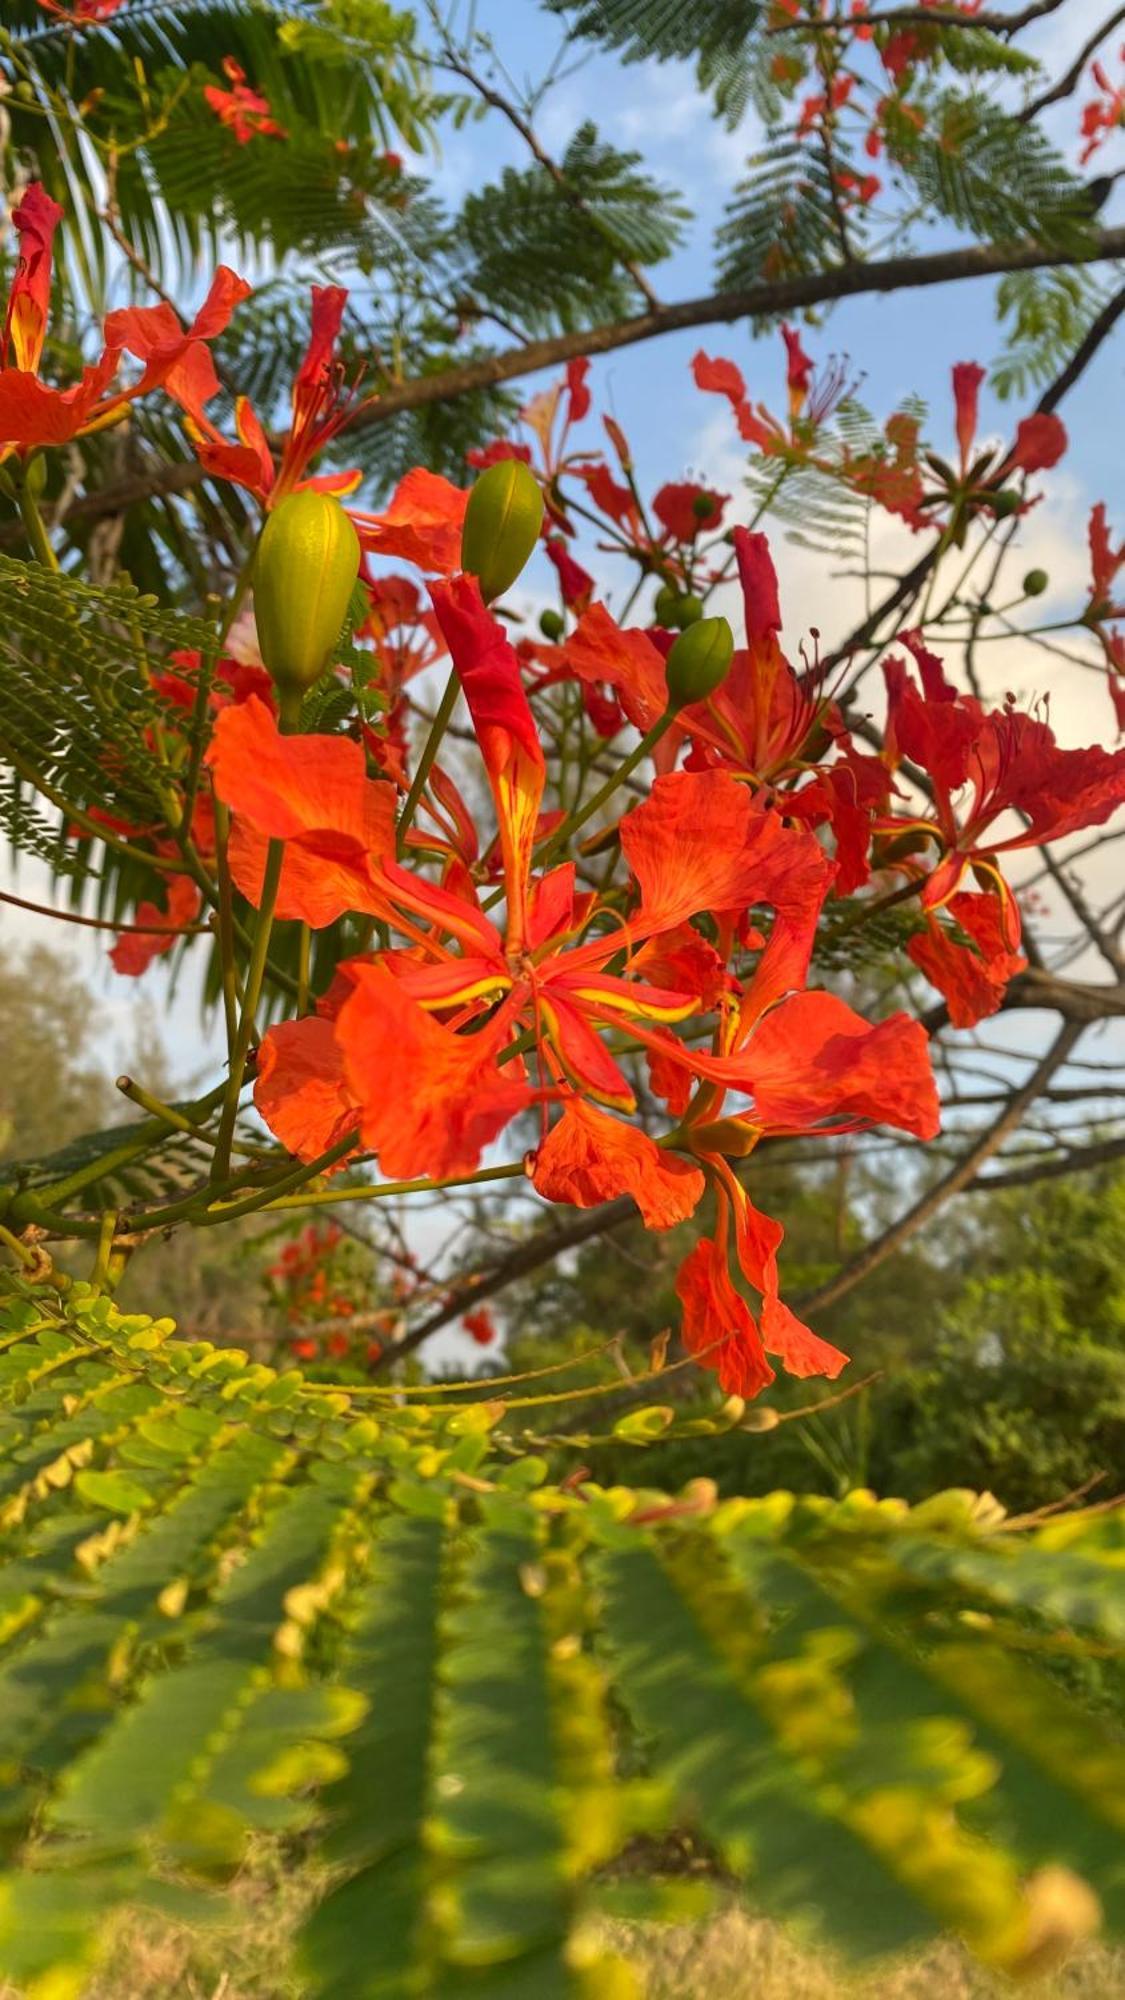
<point x="430" y="1100"/>
<point x="589" y="1158"/>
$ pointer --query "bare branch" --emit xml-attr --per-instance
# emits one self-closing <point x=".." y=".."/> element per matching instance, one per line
<point x="959" y="1176"/>
<point x="717" y="308"/>
<point x="1071" y="77"/>
<point x="1078" y="1160"/>
<point x="921" y="17"/>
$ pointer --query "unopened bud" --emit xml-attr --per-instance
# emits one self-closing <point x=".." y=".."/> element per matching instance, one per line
<point x="502" y="523"/>
<point x="1006" y="502"/>
<point x="1035" y="582"/>
<point x="686" y="611"/>
<point x="664" y="604"/>
<point x="699" y="661"/>
<point x="552" y="624"/>
<point x="304" y="575"/>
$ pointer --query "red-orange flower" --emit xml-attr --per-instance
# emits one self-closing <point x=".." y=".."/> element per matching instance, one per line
<point x="589" y="1158"/>
<point x="431" y="1100"/>
<point x="422" y="523"/>
<point x="246" y="112"/>
<point x="318" y="410"/>
<point x="313" y="792"/>
<point x="301" y="1090"/>
<point x="32" y="413"/>
<point x="974" y="976"/>
<point x="686" y="510"/>
<point x="1009" y="762"/>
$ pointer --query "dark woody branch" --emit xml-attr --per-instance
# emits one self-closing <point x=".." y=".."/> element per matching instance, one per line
<point x="716" y="308"/>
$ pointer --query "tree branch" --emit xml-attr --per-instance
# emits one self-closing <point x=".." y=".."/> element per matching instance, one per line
<point x="1070" y="78"/>
<point x="1099" y="330"/>
<point x="1080" y="1159"/>
<point x="716" y="308"/>
<point x="919" y="17"/>
<point x="542" y="1248"/>
<point x="959" y="1176"/>
<point x="460" y="66"/>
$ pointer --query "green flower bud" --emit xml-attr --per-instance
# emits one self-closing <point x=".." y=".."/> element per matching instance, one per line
<point x="699" y="661"/>
<point x="1006" y="502"/>
<point x="304" y="574"/>
<point x="664" y="604"/>
<point x="1035" y="582"/>
<point x="552" y="625"/>
<point x="703" y="506"/>
<point x="502" y="523"/>
<point x="35" y="475"/>
<point x="686" y="611"/>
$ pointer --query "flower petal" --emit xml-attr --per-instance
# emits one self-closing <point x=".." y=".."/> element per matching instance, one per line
<point x="430" y="1100"/>
<point x="588" y="1158"/>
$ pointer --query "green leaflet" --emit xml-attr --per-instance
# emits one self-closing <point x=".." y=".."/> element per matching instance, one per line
<point x="235" y="1606"/>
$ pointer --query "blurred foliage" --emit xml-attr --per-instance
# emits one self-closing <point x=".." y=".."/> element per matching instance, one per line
<point x="999" y="1348"/>
<point x="238" y="1607"/>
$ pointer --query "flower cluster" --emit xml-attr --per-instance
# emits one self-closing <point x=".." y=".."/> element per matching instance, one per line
<point x="612" y="972"/>
<point x="34" y="413"/>
<point x="850" y="111"/>
<point x="321" y="1288"/>
<point x="693" y="949"/>
<point x="924" y="490"/>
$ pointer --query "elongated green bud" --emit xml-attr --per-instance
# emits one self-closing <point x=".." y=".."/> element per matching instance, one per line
<point x="502" y="523"/>
<point x="699" y="661"/>
<point x="304" y="574"/>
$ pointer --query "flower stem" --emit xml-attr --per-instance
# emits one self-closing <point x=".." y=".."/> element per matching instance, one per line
<point x="562" y="834"/>
<point x="438" y="728"/>
<point x="36" y="532"/>
<point x="289" y="713"/>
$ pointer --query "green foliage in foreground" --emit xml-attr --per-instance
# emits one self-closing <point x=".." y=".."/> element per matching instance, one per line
<point x="232" y="1603"/>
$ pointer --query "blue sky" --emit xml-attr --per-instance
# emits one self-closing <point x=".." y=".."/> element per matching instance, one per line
<point x="901" y="344"/>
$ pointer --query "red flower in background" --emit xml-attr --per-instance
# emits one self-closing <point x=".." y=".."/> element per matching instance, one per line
<point x="25" y="323"/>
<point x="246" y="112"/>
<point x="1104" y="114"/>
<point x="799" y="371"/>
<point x="1102" y="610"/>
<point x="480" y="1326"/>
<point x="967" y="378"/>
<point x="84" y="13"/>
<point x="134" y="952"/>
